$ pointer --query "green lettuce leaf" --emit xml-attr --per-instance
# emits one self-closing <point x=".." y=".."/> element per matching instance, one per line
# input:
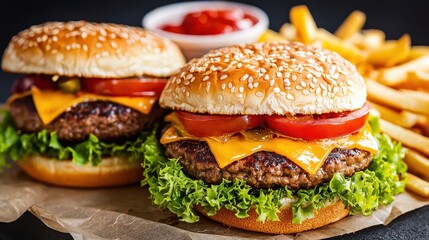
<point x="364" y="192"/>
<point x="90" y="151"/>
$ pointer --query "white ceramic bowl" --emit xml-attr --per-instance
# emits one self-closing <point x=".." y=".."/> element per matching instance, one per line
<point x="197" y="45"/>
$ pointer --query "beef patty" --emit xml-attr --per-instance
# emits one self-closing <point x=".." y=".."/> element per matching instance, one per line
<point x="264" y="169"/>
<point x="106" y="120"/>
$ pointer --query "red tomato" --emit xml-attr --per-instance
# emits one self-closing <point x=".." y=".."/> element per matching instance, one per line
<point x="124" y="87"/>
<point x="204" y="125"/>
<point x="320" y="126"/>
<point x="26" y="82"/>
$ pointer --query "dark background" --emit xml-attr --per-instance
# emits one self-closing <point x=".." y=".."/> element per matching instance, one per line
<point x="393" y="17"/>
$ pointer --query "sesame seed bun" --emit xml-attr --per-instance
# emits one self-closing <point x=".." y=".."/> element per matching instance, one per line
<point x="87" y="49"/>
<point x="266" y="78"/>
<point x="326" y="215"/>
<point x="112" y="171"/>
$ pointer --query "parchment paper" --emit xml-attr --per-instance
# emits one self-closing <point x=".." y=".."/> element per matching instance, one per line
<point x="127" y="213"/>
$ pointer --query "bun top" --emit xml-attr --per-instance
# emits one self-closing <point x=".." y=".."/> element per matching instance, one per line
<point x="87" y="49"/>
<point x="266" y="78"/>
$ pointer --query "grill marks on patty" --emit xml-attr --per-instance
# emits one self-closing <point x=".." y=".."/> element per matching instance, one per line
<point x="106" y="120"/>
<point x="264" y="169"/>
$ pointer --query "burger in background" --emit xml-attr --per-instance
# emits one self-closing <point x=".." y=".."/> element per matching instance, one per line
<point x="89" y="91"/>
<point x="271" y="137"/>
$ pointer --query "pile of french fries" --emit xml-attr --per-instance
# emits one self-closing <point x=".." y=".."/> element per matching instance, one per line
<point x="397" y="77"/>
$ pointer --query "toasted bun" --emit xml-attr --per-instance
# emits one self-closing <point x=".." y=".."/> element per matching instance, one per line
<point x="91" y="50"/>
<point x="266" y="78"/>
<point x="110" y="172"/>
<point x="326" y="215"/>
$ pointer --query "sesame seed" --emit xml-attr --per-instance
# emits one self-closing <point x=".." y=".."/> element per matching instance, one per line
<point x="241" y="89"/>
<point x="98" y="45"/>
<point x="187" y="94"/>
<point x="223" y="77"/>
<point x="250" y="79"/>
<point x="305" y="92"/>
<point x="250" y="85"/>
<point x="239" y="65"/>
<point x="294" y="77"/>
<point x="290" y="96"/>
<point x="240" y="95"/>
<point x="223" y="86"/>
<point x="271" y="82"/>
<point x="233" y="90"/>
<point x="278" y="74"/>
<point x="230" y="85"/>
<point x="85" y="48"/>
<point x="309" y="76"/>
<point x="276" y="90"/>
<point x="244" y="77"/>
<point x="255" y="85"/>
<point x="259" y="94"/>
<point x="208" y="87"/>
<point x="205" y="78"/>
<point x="303" y="84"/>
<point x="349" y="82"/>
<point x="186" y="82"/>
<point x="113" y="44"/>
<point x="189" y="76"/>
<point x="101" y="38"/>
<point x="266" y="77"/>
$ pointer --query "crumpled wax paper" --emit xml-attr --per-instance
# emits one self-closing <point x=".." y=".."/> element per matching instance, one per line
<point x="127" y="213"/>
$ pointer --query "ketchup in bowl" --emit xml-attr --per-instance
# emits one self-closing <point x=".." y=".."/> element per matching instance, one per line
<point x="212" y="22"/>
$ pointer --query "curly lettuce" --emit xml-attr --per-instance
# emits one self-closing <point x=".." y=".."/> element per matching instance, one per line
<point x="363" y="193"/>
<point x="18" y="145"/>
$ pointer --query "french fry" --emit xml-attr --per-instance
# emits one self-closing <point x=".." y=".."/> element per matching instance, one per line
<point x="417" y="185"/>
<point x="306" y="29"/>
<point x="399" y="74"/>
<point x="423" y="96"/>
<point x="388" y="96"/>
<point x="271" y="36"/>
<point x="391" y="53"/>
<point x="407" y="137"/>
<point x="371" y="39"/>
<point x="288" y="31"/>
<point x="416" y="80"/>
<point x="403" y="118"/>
<point x="351" y="25"/>
<point x="345" y="49"/>
<point x="417" y="52"/>
<point x="417" y="163"/>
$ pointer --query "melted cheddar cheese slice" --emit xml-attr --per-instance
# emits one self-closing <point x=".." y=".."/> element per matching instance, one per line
<point x="50" y="103"/>
<point x="310" y="155"/>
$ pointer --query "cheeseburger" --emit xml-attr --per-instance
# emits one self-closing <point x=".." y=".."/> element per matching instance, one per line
<point x="271" y="137"/>
<point x="88" y="92"/>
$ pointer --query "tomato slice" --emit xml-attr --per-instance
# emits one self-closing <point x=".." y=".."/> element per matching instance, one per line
<point x="204" y="125"/>
<point x="320" y="126"/>
<point x="124" y="87"/>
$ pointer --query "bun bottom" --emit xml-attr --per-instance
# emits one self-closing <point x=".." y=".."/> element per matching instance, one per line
<point x="110" y="172"/>
<point x="329" y="214"/>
